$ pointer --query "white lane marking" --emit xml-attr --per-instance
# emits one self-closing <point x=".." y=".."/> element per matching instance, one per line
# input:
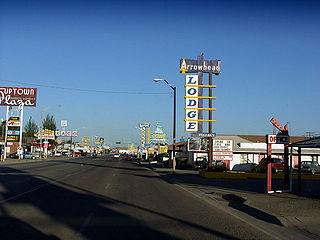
<point x="40" y="186"/>
<point x="114" y="175"/>
<point x="21" y="194"/>
<point x="108" y="185"/>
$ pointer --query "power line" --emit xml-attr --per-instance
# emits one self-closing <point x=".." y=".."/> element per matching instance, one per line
<point x="81" y="90"/>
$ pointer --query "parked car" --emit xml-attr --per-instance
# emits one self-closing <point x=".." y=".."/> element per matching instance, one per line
<point x="26" y="155"/>
<point x="14" y="155"/>
<point x="278" y="165"/>
<point x="308" y="167"/>
<point x="244" y="167"/>
<point x="29" y="155"/>
<point x="117" y="155"/>
<point x="201" y="163"/>
<point x="57" y="154"/>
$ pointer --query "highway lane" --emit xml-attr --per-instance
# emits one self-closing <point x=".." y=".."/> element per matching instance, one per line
<point x="106" y="198"/>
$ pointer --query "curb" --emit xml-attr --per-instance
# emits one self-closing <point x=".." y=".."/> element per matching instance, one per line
<point x="246" y="175"/>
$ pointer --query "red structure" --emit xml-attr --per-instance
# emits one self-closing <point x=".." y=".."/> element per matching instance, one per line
<point x="282" y="138"/>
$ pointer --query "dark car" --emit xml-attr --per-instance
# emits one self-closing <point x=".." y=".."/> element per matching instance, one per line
<point x="278" y="165"/>
<point x="201" y="163"/>
<point x="244" y="167"/>
<point x="14" y="155"/>
<point x="308" y="167"/>
<point x="26" y="155"/>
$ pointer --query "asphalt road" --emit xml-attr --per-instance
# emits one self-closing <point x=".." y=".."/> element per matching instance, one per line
<point x="107" y="198"/>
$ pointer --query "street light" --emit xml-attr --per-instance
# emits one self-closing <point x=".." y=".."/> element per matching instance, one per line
<point x="174" y="122"/>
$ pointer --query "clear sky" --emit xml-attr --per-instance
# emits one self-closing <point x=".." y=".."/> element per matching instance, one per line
<point x="270" y="53"/>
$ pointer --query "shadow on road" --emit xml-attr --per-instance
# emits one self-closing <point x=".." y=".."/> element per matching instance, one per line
<point x="238" y="203"/>
<point x="89" y="214"/>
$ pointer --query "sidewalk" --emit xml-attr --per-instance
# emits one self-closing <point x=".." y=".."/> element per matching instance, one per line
<point x="15" y="161"/>
<point x="248" y="196"/>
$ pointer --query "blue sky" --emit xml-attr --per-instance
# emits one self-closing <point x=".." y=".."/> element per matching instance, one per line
<point x="269" y="51"/>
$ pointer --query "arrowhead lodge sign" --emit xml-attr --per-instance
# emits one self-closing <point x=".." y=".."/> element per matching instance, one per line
<point x="195" y="66"/>
<point x="16" y="96"/>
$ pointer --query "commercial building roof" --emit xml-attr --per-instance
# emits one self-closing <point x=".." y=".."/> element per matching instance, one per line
<point x="308" y="143"/>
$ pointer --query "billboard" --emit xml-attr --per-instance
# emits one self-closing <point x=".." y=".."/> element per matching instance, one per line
<point x="198" y="145"/>
<point x="17" y="96"/>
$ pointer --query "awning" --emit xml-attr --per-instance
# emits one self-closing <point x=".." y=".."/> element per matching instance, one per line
<point x="309" y="143"/>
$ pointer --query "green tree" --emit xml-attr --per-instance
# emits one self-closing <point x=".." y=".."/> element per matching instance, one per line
<point x="49" y="123"/>
<point x="3" y="129"/>
<point x="31" y="128"/>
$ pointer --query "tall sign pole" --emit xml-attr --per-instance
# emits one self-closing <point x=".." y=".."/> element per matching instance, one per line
<point x="210" y="152"/>
<point x="21" y="131"/>
<point x="194" y="96"/>
<point x="16" y="97"/>
<point x="6" y="133"/>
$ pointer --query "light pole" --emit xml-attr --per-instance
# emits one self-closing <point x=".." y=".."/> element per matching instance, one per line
<point x="174" y="123"/>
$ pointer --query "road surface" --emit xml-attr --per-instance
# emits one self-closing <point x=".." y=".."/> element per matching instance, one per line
<point x="107" y="198"/>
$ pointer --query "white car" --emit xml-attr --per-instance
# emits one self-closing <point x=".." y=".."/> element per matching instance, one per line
<point x="117" y="155"/>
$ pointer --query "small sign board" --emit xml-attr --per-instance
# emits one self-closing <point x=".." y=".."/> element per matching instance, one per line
<point x="13" y="132"/>
<point x="64" y="123"/>
<point x="13" y="124"/>
<point x="13" y="138"/>
<point x="205" y="135"/>
<point x="278" y="139"/>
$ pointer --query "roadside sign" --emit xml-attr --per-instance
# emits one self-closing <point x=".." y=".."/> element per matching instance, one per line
<point x="17" y="96"/>
<point x="13" y="138"/>
<point x="222" y="150"/>
<point x="74" y="133"/>
<point x="15" y="119"/>
<point x="64" y="123"/>
<point x="13" y="132"/>
<point x="13" y="124"/>
<point x="194" y="66"/>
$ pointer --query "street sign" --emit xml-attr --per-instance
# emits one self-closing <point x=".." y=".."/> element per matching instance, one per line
<point x="205" y="135"/>
<point x="74" y="133"/>
<point x="278" y="139"/>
